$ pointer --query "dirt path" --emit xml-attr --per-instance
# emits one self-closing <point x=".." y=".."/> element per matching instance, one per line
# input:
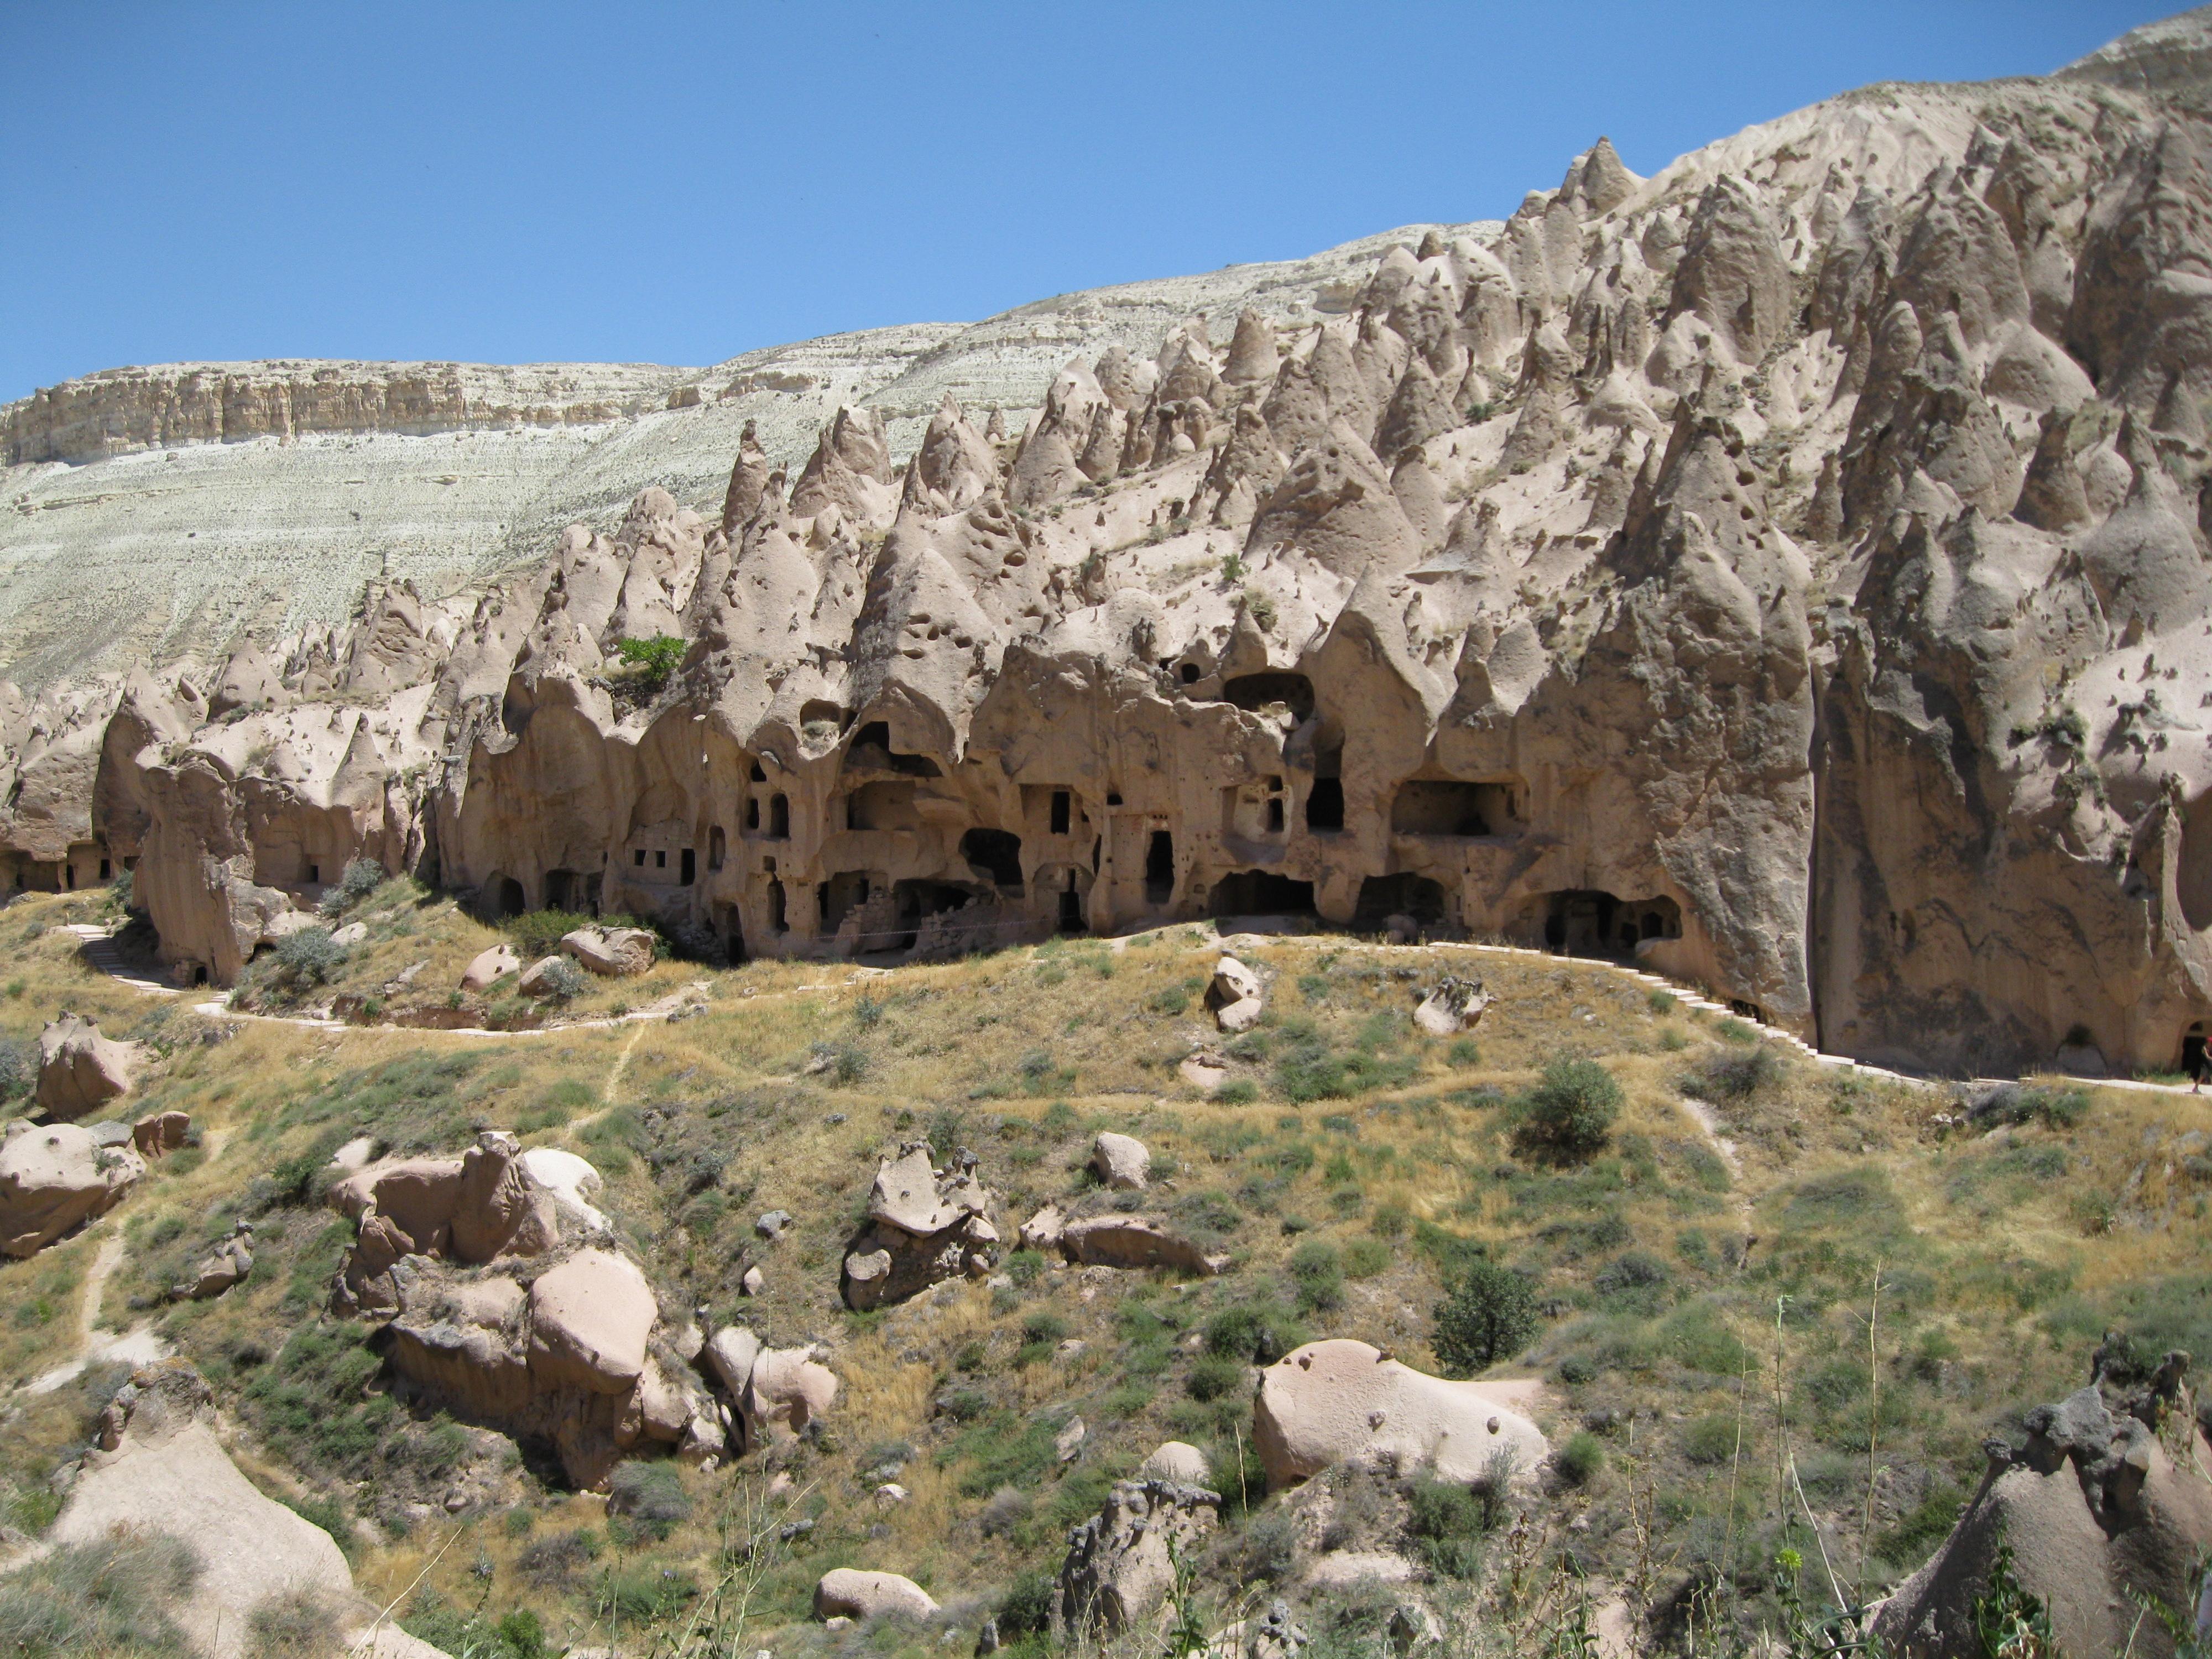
<point x="137" y="1346"/>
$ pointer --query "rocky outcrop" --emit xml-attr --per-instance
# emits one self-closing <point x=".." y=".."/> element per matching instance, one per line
<point x="2093" y="1510"/>
<point x="493" y="1200"/>
<point x="54" y="1177"/>
<point x="1118" y="1569"/>
<point x="1342" y="1401"/>
<point x="1454" y="1006"/>
<point x="612" y="952"/>
<point x="80" y="1070"/>
<point x="1783" y="573"/>
<point x="923" y="1225"/>
<point x="850" y="1593"/>
<point x="1121" y="1162"/>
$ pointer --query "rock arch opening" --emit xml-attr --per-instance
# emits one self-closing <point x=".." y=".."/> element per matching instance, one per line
<point x="1159" y="867"/>
<point x="998" y="852"/>
<point x="1451" y="806"/>
<point x="1260" y="893"/>
<point x="1589" y="922"/>
<point x="1404" y="893"/>
<point x="1255" y="691"/>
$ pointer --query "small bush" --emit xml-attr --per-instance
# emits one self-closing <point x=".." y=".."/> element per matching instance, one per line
<point x="651" y="661"/>
<point x="1660" y="1002"/>
<point x="2057" y="1106"/>
<point x="1025" y="1266"/>
<point x="1045" y="1328"/>
<point x="1212" y="1377"/>
<point x="1580" y="1459"/>
<point x="298" y="1624"/>
<point x="1254" y="1335"/>
<point x="1710" y="1439"/>
<point x="1027" y="1605"/>
<point x="1445" y="1521"/>
<point x="1490" y="1314"/>
<point x="562" y="980"/>
<point x="308" y="957"/>
<point x="1363" y="1258"/>
<point x="648" y="1493"/>
<point x="109" y="1597"/>
<point x="1570" y="1114"/>
<point x="1239" y="1091"/>
<point x="1733" y="1076"/>
<point x="362" y="877"/>
<point x="1318" y="1271"/>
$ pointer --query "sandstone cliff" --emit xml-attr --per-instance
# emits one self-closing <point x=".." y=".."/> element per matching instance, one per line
<point x="1788" y="571"/>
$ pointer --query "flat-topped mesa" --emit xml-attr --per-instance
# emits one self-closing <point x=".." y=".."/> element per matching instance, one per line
<point x="1532" y="580"/>
<point x="122" y="410"/>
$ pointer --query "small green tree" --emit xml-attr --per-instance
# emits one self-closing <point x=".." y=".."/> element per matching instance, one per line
<point x="1570" y="1114"/>
<point x="1491" y="1312"/>
<point x="651" y="661"/>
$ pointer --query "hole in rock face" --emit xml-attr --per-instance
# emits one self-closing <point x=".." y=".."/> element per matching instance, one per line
<point x="560" y="890"/>
<point x="688" y="868"/>
<point x="1448" y="806"/>
<point x="998" y="851"/>
<point x="752" y="814"/>
<point x="757" y="776"/>
<point x="1260" y="893"/>
<point x="508" y="898"/>
<point x="1585" y="923"/>
<point x="1403" y="894"/>
<point x="1275" y="816"/>
<point x="776" y="918"/>
<point x="2192" y="1050"/>
<point x="1325" y="805"/>
<point x="717" y="847"/>
<point x="1159" y="868"/>
<point x="1190" y="673"/>
<point x="779" y="818"/>
<point x="1062" y="805"/>
<point x="1071" y="907"/>
<point x="1256" y="691"/>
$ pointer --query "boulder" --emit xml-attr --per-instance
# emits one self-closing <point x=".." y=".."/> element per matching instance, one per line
<point x="80" y="1070"/>
<point x="1343" y="1402"/>
<point x="754" y="1282"/>
<point x="1177" y="1462"/>
<point x="1235" y="995"/>
<point x="1046" y="1230"/>
<point x="1455" y="1005"/>
<point x="849" y="1593"/>
<point x="159" y="1133"/>
<point x="731" y="1353"/>
<point x="1132" y="1241"/>
<point x="353" y="933"/>
<point x="1121" y="1161"/>
<point x="570" y="1181"/>
<point x="487" y="966"/>
<point x="54" y="1177"/>
<point x="924" y="1225"/>
<point x="2096" y="1512"/>
<point x="771" y="1225"/>
<point x="1117" y="1569"/>
<point x="542" y="979"/>
<point x="788" y="1388"/>
<point x="1204" y="1070"/>
<point x="216" y="1272"/>
<point x="589" y="1319"/>
<point x="614" y="952"/>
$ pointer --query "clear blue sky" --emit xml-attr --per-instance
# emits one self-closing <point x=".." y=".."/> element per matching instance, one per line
<point x="677" y="184"/>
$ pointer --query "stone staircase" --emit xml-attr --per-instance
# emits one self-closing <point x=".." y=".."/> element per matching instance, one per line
<point x="97" y="947"/>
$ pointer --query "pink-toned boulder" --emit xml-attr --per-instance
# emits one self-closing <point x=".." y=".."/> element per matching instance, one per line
<point x="56" y="1176"/>
<point x="788" y="1389"/>
<point x="1122" y="1162"/>
<point x="1339" y="1401"/>
<point x="589" y="1319"/>
<point x="80" y="1070"/>
<point x="849" y="1593"/>
<point x="495" y="963"/>
<point x="159" y="1133"/>
<point x="616" y="952"/>
<point x="1135" y="1241"/>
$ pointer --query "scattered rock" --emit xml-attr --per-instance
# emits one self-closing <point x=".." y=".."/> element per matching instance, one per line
<point x="771" y="1226"/>
<point x="1045" y="1231"/>
<point x="544" y="978"/>
<point x="80" y="1070"/>
<point x="1235" y="996"/>
<point x="1117" y="1568"/>
<point x="1455" y="1005"/>
<point x="1121" y="1161"/>
<point x="890" y="1495"/>
<point x="789" y="1389"/>
<point x="160" y="1133"/>
<point x="754" y="1282"/>
<point x="1135" y="1241"/>
<point x="925" y="1225"/>
<point x="589" y="1318"/>
<point x="352" y="935"/>
<point x="614" y="952"/>
<point x="849" y="1593"/>
<point x="230" y="1262"/>
<point x="1204" y="1070"/>
<point x="1068" y="1443"/>
<point x="54" y="1177"/>
<point x="1343" y="1402"/>
<point x="1177" y="1462"/>
<point x="488" y="966"/>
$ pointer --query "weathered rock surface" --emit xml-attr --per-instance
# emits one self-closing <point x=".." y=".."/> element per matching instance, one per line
<point x="490" y="965"/>
<point x="614" y="952"/>
<point x="1121" y="1161"/>
<point x="1235" y="995"/>
<point x="492" y="1200"/>
<point x="1455" y="1005"/>
<point x="1342" y="1401"/>
<point x="80" y="1070"/>
<point x="849" y="1593"/>
<point x="160" y="1133"/>
<point x="2096" y="1512"/>
<point x="1132" y="1241"/>
<point x="925" y="1224"/>
<point x="1117" y="1569"/>
<point x="1852" y="459"/>
<point x="54" y="1177"/>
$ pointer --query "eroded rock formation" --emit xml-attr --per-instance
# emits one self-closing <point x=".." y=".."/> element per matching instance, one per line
<point x="1787" y="571"/>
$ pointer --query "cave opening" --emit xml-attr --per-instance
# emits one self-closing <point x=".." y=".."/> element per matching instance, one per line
<point x="1260" y="893"/>
<point x="507" y="897"/>
<point x="1255" y="691"/>
<point x="1071" y="909"/>
<point x="1586" y="922"/>
<point x="1404" y="893"/>
<point x="1159" y="867"/>
<point x="779" y="818"/>
<point x="560" y="890"/>
<point x="777" y="920"/>
<point x="1325" y="805"/>
<point x="1063" y="803"/>
<point x="1450" y="806"/>
<point x="1000" y="852"/>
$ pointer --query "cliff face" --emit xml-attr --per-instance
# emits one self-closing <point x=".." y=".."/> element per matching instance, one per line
<point x="1788" y="571"/>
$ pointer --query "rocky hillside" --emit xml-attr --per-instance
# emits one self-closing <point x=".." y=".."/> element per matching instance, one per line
<point x="830" y="1313"/>
<point x="1786" y="573"/>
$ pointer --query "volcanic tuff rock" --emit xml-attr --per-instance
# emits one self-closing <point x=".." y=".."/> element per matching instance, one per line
<point x="1787" y="572"/>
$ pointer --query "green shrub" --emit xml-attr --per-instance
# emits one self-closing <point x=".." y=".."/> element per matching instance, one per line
<point x="308" y="957"/>
<point x="2059" y="1106"/>
<point x="1027" y="1605"/>
<point x="296" y="1625"/>
<point x="1318" y="1271"/>
<point x="1025" y="1266"/>
<point x="362" y="877"/>
<point x="539" y="933"/>
<point x="1445" y="1521"/>
<point x="1732" y="1076"/>
<point x="1238" y="1091"/>
<point x="1710" y="1439"/>
<point x="1256" y="1335"/>
<point x="562" y="980"/>
<point x="651" y="661"/>
<point x="1580" y="1459"/>
<point x="1363" y="1258"/>
<point x="1571" y="1113"/>
<point x="1045" y="1328"/>
<point x="1660" y="1002"/>
<point x="1215" y="1377"/>
<point x="1490" y="1313"/>
<point x="649" y="1491"/>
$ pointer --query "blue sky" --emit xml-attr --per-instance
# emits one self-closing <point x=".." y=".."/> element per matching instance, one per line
<point x="677" y="184"/>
